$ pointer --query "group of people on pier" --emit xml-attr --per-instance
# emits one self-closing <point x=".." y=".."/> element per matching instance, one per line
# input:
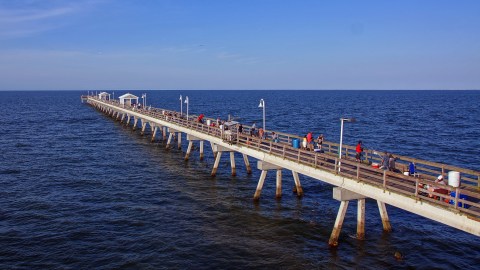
<point x="308" y="142"/>
<point x="388" y="162"/>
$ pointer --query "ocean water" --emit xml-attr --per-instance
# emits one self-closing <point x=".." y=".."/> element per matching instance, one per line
<point x="82" y="191"/>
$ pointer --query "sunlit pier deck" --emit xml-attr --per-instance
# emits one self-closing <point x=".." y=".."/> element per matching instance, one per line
<point x="458" y="207"/>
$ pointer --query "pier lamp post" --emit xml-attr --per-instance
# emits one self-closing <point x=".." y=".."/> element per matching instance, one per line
<point x="351" y="120"/>
<point x="181" y="105"/>
<point x="144" y="100"/>
<point x="186" y="101"/>
<point x="262" y="105"/>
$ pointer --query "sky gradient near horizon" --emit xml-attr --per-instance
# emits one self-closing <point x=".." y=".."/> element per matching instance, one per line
<point x="243" y="44"/>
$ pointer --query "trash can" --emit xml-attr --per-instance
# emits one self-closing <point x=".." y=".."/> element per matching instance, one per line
<point x="454" y="178"/>
<point x="296" y="143"/>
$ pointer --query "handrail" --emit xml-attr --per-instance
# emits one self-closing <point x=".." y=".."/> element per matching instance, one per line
<point x="414" y="187"/>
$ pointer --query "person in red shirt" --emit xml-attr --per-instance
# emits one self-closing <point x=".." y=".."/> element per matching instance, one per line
<point x="359" y="151"/>
<point x="310" y="141"/>
<point x="200" y="118"/>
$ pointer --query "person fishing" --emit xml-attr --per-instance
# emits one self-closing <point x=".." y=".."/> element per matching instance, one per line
<point x="320" y="142"/>
<point x="385" y="160"/>
<point x="359" y="150"/>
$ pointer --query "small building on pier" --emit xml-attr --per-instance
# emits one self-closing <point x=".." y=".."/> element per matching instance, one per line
<point x="128" y="99"/>
<point x="104" y="96"/>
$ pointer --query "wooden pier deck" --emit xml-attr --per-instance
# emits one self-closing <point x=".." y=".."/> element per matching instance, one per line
<point x="354" y="180"/>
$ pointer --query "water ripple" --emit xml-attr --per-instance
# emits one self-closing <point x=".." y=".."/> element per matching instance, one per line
<point x="81" y="191"/>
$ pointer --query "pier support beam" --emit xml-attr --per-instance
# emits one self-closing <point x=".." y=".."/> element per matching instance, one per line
<point x="164" y="133"/>
<point x="201" y="150"/>
<point x="155" y="129"/>
<point x="219" y="150"/>
<point x="258" y="191"/>
<point x="337" y="228"/>
<point x="135" y="122"/>
<point x="169" y="140"/>
<point x="361" y="219"/>
<point x="232" y="163"/>
<point x="298" y="186"/>
<point x="247" y="164"/>
<point x="384" y="216"/>
<point x="278" y="193"/>
<point x="265" y="167"/>
<point x="172" y="136"/>
<point x="215" y="165"/>
<point x="144" y="125"/>
<point x="344" y="196"/>
<point x="214" y="149"/>
<point x="179" y="145"/>
<point x="189" y="149"/>
<point x="191" y="139"/>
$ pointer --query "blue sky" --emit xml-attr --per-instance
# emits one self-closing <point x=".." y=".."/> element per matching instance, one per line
<point x="243" y="44"/>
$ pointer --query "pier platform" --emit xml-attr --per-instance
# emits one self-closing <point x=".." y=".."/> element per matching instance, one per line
<point x="454" y="205"/>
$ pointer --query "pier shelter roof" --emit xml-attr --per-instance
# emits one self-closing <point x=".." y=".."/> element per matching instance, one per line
<point x="104" y="96"/>
<point x="128" y="99"/>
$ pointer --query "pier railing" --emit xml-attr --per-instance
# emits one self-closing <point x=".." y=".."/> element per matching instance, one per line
<point x="420" y="186"/>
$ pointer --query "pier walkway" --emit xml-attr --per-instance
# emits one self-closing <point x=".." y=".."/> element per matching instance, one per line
<point x="457" y="207"/>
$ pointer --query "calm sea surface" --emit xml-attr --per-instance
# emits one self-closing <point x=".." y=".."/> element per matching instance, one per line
<point x="81" y="191"/>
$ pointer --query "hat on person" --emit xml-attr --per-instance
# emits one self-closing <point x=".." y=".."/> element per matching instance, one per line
<point x="440" y="177"/>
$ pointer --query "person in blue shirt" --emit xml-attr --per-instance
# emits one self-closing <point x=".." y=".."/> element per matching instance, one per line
<point x="411" y="169"/>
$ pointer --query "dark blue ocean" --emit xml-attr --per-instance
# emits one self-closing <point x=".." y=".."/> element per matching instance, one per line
<point x="79" y="190"/>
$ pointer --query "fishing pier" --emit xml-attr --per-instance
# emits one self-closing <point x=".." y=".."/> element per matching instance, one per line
<point x="453" y="205"/>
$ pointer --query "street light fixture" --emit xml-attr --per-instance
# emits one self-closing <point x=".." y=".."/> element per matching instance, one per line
<point x="351" y="120"/>
<point x="186" y="101"/>
<point x="262" y="105"/>
<point x="181" y="105"/>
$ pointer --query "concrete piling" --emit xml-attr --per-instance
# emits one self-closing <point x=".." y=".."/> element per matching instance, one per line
<point x="361" y="219"/>
<point x="384" y="216"/>
<point x="337" y="227"/>
<point x="215" y="165"/>
<point x="232" y="163"/>
<point x="247" y="164"/>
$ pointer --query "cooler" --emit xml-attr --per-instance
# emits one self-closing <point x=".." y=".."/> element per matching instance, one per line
<point x="461" y="196"/>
